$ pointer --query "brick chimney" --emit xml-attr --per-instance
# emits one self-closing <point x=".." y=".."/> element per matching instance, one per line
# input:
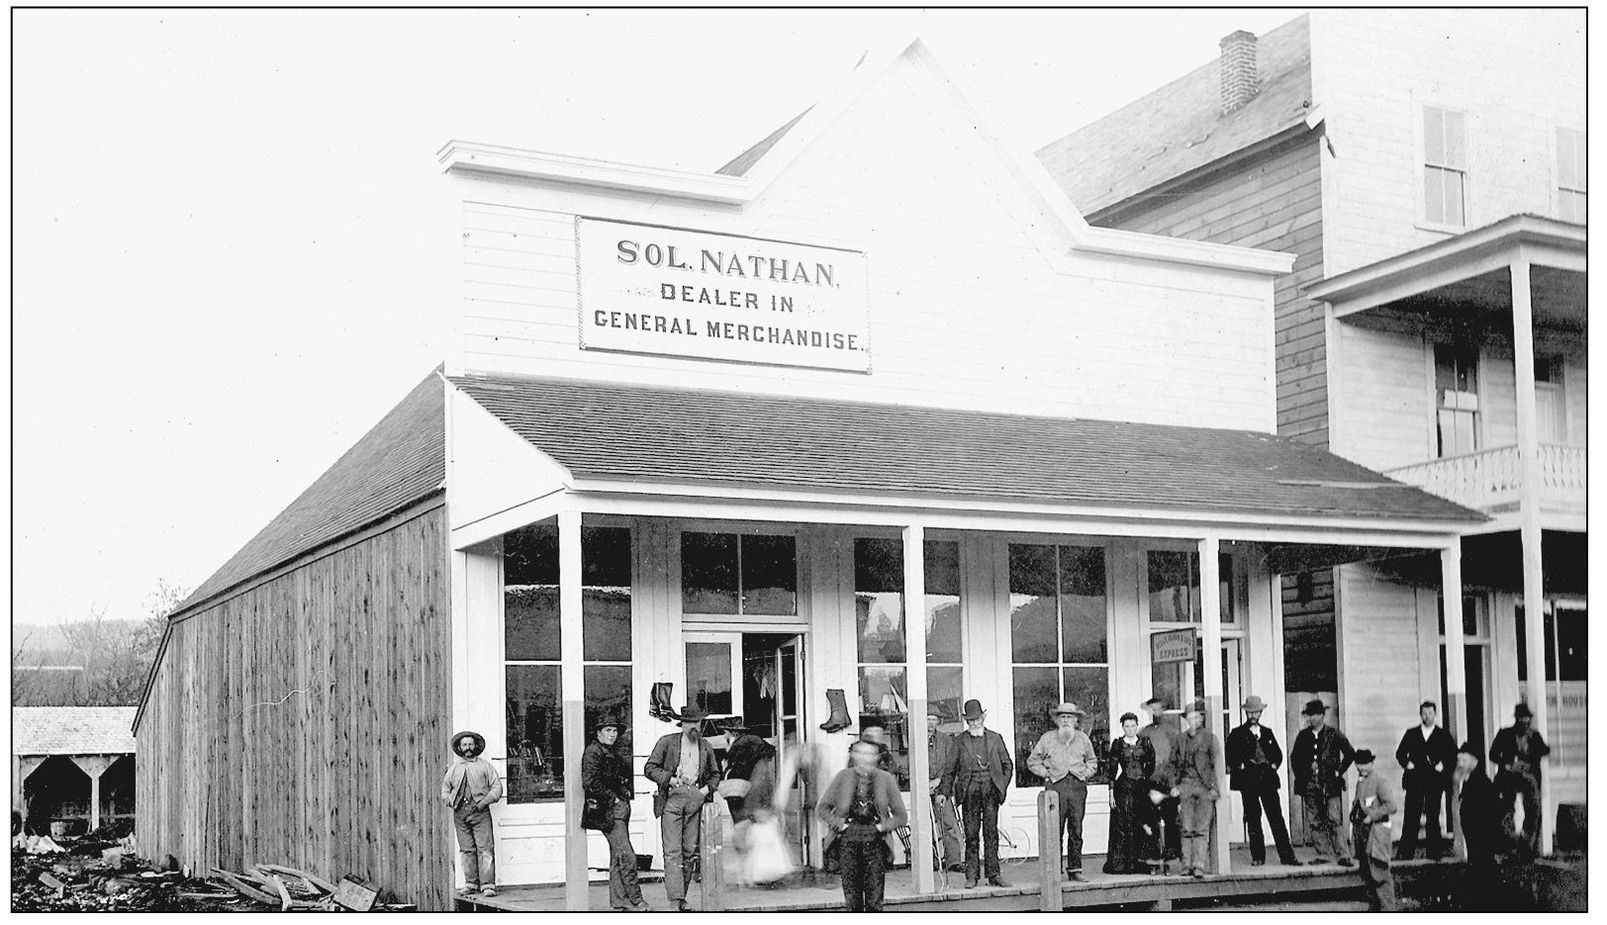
<point x="1239" y="78"/>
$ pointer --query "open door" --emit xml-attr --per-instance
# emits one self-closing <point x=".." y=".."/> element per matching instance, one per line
<point x="791" y="735"/>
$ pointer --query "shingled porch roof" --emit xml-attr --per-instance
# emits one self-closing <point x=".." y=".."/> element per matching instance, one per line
<point x="606" y="431"/>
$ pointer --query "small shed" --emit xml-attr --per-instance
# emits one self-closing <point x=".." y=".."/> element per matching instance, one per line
<point x="73" y="765"/>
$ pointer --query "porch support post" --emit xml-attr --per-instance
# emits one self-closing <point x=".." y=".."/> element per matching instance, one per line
<point x="1529" y="523"/>
<point x="1455" y="668"/>
<point x="1211" y="632"/>
<point x="920" y="809"/>
<point x="572" y="679"/>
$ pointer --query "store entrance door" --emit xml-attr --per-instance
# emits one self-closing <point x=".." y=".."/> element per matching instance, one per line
<point x="755" y="680"/>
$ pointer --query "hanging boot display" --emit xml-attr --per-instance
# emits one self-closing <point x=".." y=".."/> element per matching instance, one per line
<point x="839" y="711"/>
<point x="659" y="702"/>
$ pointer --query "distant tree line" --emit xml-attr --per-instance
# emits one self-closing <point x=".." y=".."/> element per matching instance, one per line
<point x="92" y="662"/>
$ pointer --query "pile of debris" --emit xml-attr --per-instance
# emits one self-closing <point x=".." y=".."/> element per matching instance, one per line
<point x="88" y="874"/>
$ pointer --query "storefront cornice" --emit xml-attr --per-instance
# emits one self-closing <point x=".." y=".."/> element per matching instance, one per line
<point x="740" y="503"/>
<point x="1060" y="228"/>
<point x="497" y="160"/>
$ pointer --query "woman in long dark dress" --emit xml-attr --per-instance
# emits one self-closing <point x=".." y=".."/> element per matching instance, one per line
<point x="1129" y="764"/>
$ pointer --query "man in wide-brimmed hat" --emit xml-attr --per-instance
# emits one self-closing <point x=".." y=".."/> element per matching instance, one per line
<point x="1319" y="759"/>
<point x="1253" y="758"/>
<point x="606" y="781"/>
<point x="1370" y="832"/>
<point x="1194" y="765"/>
<point x="684" y="767"/>
<point x="1518" y="752"/>
<point x="1065" y="758"/>
<point x="977" y="778"/>
<point x="1162" y="732"/>
<point x="470" y="786"/>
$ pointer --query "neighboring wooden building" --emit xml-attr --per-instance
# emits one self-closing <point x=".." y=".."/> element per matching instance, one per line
<point x="1427" y="170"/>
<point x="872" y="410"/>
<point x="73" y="766"/>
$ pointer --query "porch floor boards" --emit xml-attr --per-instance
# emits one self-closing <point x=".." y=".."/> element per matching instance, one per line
<point x="825" y="892"/>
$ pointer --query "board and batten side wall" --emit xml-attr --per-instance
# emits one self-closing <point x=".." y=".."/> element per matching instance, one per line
<point x="302" y="720"/>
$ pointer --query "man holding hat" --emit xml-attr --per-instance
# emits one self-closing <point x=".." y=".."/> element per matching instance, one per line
<point x="605" y="777"/>
<point x="470" y="786"/>
<point x="1194" y="764"/>
<point x="1319" y="760"/>
<point x="1253" y="758"/>
<point x="683" y="766"/>
<point x="1161" y="733"/>
<point x="1065" y="757"/>
<point x="946" y="825"/>
<point x="1369" y="819"/>
<point x="977" y="777"/>
<point x="1518" y="752"/>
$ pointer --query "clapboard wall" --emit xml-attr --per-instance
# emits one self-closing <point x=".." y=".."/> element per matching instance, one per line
<point x="301" y="720"/>
<point x="1272" y="201"/>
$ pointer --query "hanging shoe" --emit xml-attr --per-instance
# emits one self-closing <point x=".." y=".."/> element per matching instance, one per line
<point x="838" y="720"/>
<point x="659" y="702"/>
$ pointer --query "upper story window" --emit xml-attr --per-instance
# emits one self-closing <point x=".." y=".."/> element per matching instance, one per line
<point x="1456" y="392"/>
<point x="1551" y="411"/>
<point x="1571" y="175"/>
<point x="1444" y="166"/>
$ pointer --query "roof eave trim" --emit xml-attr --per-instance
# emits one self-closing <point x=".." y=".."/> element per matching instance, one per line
<point x="466" y="157"/>
<point x="1116" y="242"/>
<point x="1511" y="233"/>
<point x="593" y="483"/>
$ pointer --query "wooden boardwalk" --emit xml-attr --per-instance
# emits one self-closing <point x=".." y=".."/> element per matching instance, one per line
<point x="817" y="891"/>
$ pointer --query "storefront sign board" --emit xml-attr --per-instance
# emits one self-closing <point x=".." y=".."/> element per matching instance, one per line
<point x="1172" y="646"/>
<point x="678" y="292"/>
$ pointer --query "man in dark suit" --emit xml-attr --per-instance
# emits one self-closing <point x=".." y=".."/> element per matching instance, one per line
<point x="1519" y="753"/>
<point x="1319" y="760"/>
<point x="1480" y="815"/>
<point x="1428" y="755"/>
<point x="978" y="775"/>
<point x="683" y="766"/>
<point x="1253" y="759"/>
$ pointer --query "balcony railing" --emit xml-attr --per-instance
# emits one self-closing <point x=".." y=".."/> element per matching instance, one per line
<point x="1493" y="479"/>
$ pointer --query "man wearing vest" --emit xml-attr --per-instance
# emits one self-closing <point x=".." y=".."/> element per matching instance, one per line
<point x="683" y="766"/>
<point x="978" y="775"/>
<point x="1253" y="758"/>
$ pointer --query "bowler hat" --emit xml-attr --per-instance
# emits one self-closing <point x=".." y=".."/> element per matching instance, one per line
<point x="1157" y="699"/>
<point x="973" y="709"/>
<point x="1070" y="709"/>
<point x="1471" y="749"/>
<point x="479" y="742"/>
<point x="1194" y="706"/>
<point x="692" y="714"/>
<point x="1252" y="704"/>
<point x="609" y="719"/>
<point x="1364" y="756"/>
<point x="1521" y="711"/>
<point x="1314" y="708"/>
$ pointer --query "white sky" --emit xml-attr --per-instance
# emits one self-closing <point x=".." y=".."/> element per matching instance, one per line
<point x="218" y="218"/>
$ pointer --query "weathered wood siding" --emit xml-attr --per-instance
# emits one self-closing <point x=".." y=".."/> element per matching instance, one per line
<point x="1273" y="202"/>
<point x="302" y="720"/>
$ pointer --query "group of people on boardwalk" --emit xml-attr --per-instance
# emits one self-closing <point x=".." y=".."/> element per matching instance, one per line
<point x="1163" y="796"/>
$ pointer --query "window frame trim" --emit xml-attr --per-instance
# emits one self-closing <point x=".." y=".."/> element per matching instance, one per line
<point x="1423" y="222"/>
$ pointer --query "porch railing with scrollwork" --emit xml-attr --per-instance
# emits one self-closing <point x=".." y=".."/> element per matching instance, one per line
<point x="1493" y="478"/>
